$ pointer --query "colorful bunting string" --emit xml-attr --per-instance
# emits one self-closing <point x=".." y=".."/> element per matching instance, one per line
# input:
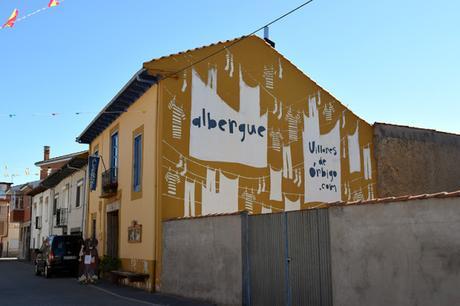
<point x="14" y="16"/>
<point x="57" y="114"/>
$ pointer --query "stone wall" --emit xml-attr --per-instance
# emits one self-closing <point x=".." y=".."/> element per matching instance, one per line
<point x="415" y="161"/>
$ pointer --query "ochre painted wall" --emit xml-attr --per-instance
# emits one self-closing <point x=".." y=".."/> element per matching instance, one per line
<point x="242" y="130"/>
<point x="298" y="146"/>
<point x="141" y="208"/>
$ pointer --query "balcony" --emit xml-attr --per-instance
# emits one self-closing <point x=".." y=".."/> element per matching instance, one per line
<point x="61" y="217"/>
<point x="109" y="183"/>
<point x="38" y="222"/>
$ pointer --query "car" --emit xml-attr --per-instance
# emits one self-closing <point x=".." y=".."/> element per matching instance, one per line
<point x="58" y="254"/>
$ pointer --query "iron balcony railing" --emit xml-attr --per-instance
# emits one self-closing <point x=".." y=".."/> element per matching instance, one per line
<point x="109" y="182"/>
<point x="61" y="217"/>
<point x="38" y="222"/>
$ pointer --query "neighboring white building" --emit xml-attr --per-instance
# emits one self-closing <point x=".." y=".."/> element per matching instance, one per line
<point x="59" y="202"/>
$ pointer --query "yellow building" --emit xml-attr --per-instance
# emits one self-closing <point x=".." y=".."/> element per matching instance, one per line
<point x="228" y="127"/>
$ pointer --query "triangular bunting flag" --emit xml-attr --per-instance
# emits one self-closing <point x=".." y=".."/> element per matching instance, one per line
<point x="53" y="3"/>
<point x="10" y="22"/>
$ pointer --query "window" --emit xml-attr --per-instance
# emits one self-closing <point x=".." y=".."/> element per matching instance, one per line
<point x="65" y="196"/>
<point x="46" y="209"/>
<point x="55" y="203"/>
<point x="18" y="202"/>
<point x="114" y="150"/>
<point x="137" y="163"/>
<point x="79" y="193"/>
<point x="93" y="228"/>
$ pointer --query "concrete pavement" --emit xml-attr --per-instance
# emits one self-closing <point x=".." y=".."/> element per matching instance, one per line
<point x="19" y="286"/>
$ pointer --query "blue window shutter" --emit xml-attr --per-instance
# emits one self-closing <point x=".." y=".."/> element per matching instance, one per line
<point x="137" y="164"/>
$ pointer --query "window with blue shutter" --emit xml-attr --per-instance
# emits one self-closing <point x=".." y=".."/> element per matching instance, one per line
<point x="137" y="163"/>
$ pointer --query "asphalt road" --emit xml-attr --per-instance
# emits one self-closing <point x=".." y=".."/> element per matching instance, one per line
<point x="19" y="286"/>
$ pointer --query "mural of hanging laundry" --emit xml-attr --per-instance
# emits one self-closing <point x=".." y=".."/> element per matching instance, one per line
<point x="256" y="134"/>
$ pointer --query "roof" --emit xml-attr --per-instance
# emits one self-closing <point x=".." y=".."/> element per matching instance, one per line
<point x="74" y="165"/>
<point x="36" y="190"/>
<point x="77" y="162"/>
<point x="31" y="185"/>
<point x="133" y="90"/>
<point x="387" y="200"/>
<point x="15" y="188"/>
<point x="57" y="159"/>
<point x="228" y="43"/>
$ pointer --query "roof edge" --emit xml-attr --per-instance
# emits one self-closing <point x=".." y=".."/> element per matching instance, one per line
<point x="137" y="77"/>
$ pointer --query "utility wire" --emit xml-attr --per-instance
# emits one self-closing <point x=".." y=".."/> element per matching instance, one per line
<point x="200" y="60"/>
<point x="236" y="41"/>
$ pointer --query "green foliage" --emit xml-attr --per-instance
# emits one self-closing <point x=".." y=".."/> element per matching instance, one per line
<point x="109" y="263"/>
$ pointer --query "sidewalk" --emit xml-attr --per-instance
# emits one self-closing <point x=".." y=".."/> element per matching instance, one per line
<point x="143" y="297"/>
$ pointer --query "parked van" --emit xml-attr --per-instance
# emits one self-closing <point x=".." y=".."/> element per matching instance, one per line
<point x="58" y="254"/>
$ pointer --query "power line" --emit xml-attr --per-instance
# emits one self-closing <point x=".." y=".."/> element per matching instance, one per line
<point x="237" y="41"/>
<point x="12" y="115"/>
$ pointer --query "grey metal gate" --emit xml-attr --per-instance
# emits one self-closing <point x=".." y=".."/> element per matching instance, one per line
<point x="288" y="259"/>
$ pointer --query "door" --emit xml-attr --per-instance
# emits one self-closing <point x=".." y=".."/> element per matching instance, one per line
<point x="112" y="233"/>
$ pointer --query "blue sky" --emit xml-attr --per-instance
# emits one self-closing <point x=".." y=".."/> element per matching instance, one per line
<point x="388" y="61"/>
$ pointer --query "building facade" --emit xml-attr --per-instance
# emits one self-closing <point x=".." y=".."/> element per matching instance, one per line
<point x="59" y="201"/>
<point x="243" y="129"/>
<point x="4" y="217"/>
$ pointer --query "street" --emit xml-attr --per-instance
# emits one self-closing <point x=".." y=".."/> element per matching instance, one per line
<point x="19" y="286"/>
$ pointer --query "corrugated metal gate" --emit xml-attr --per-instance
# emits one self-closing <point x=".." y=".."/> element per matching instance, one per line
<point x="287" y="259"/>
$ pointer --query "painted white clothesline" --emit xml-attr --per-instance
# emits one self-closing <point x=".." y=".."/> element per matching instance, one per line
<point x="203" y="179"/>
<point x="245" y="177"/>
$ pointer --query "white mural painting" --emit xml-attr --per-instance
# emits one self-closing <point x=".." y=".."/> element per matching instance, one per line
<point x="210" y="180"/>
<point x="229" y="63"/>
<point x="220" y="133"/>
<point x="358" y="195"/>
<point x="280" y="69"/>
<point x="293" y="120"/>
<point x="291" y="205"/>
<point x="249" y="199"/>
<point x="182" y="165"/>
<point x="178" y="115"/>
<point x="223" y="201"/>
<point x="266" y="210"/>
<point x="367" y="163"/>
<point x="370" y="192"/>
<point x="278" y="109"/>
<point x="189" y="199"/>
<point x="184" y="82"/>
<point x="172" y="178"/>
<point x="298" y="177"/>
<point x="261" y="187"/>
<point x="322" y="171"/>
<point x="328" y="111"/>
<point x="275" y="185"/>
<point x="276" y="139"/>
<point x="269" y="73"/>
<point x="354" y="152"/>
<point x="287" y="162"/>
